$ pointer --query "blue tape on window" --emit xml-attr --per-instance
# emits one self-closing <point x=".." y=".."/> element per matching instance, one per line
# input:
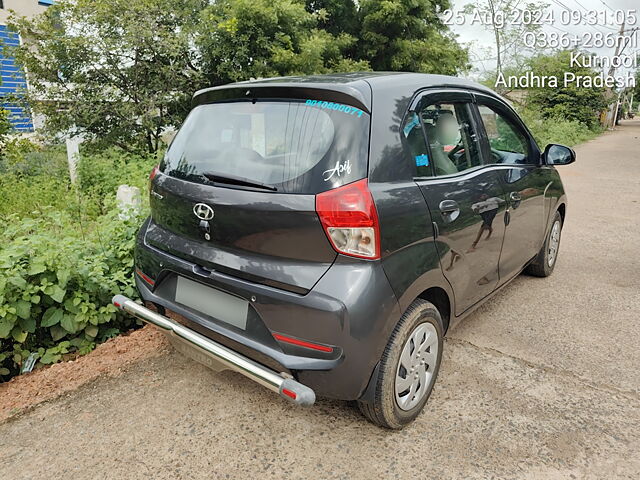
<point x="422" y="160"/>
<point x="339" y="107"/>
<point x="414" y="122"/>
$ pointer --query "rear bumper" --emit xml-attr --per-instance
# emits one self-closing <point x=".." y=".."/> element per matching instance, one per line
<point x="219" y="357"/>
<point x="352" y="307"/>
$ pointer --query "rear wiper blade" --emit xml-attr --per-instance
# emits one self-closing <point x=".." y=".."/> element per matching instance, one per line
<point x="233" y="180"/>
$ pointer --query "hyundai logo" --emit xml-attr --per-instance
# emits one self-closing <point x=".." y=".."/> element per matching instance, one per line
<point x="203" y="211"/>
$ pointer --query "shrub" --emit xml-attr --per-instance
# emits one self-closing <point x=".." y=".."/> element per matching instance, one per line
<point x="5" y="128"/>
<point x="100" y="174"/>
<point x="57" y="278"/>
<point x="32" y="177"/>
<point x="557" y="129"/>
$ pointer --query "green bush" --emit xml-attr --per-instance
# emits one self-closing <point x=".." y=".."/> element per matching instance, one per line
<point x="99" y="174"/>
<point x="64" y="252"/>
<point x="57" y="277"/>
<point x="557" y="129"/>
<point x="33" y="177"/>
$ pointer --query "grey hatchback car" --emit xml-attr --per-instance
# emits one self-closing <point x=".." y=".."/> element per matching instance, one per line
<point x="321" y="234"/>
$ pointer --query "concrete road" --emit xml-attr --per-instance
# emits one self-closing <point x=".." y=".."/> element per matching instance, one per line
<point x="541" y="382"/>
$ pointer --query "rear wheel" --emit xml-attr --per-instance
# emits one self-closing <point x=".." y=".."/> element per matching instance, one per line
<point x="545" y="262"/>
<point x="408" y="368"/>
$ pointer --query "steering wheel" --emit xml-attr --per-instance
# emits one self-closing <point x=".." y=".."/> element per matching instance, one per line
<point x="453" y="151"/>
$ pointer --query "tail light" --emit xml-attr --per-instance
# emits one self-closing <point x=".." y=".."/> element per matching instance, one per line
<point x="350" y="220"/>
<point x="154" y="171"/>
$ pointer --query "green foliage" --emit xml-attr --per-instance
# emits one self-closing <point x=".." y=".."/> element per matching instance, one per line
<point x="335" y="16"/>
<point x="266" y="38"/>
<point x="408" y="35"/>
<point x="548" y="130"/>
<point x="569" y="102"/>
<point x="100" y="174"/>
<point x="57" y="278"/>
<point x="32" y="178"/>
<point x="5" y="129"/>
<point x="64" y="252"/>
<point x="129" y="67"/>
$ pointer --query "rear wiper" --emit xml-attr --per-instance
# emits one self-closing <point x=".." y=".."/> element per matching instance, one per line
<point x="233" y="180"/>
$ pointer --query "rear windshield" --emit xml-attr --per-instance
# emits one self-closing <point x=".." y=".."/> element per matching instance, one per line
<point x="298" y="146"/>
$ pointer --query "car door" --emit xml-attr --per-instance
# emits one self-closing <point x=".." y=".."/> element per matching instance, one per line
<point x="465" y="199"/>
<point x="515" y="156"/>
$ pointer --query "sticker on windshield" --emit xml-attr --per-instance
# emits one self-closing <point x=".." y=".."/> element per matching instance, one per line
<point x="339" y="169"/>
<point x="338" y="107"/>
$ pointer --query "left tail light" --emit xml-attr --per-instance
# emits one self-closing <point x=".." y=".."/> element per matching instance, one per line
<point x="350" y="220"/>
<point x="154" y="171"/>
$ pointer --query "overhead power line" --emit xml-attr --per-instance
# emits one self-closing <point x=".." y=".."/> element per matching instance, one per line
<point x="570" y="10"/>
<point x="602" y="2"/>
<point x="580" y="5"/>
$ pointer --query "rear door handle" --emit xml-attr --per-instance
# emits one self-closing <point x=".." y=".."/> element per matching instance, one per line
<point x="449" y="210"/>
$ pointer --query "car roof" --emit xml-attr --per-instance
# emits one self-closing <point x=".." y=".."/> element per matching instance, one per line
<point x="363" y="84"/>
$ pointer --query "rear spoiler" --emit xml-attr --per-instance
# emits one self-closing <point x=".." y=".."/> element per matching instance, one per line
<point x="337" y="93"/>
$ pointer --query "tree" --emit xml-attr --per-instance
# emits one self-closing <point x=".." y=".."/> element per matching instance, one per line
<point x="335" y="16"/>
<point x="117" y="71"/>
<point x="120" y="72"/>
<point x="243" y="39"/>
<point x="510" y="49"/>
<point x="568" y="102"/>
<point x="408" y="35"/>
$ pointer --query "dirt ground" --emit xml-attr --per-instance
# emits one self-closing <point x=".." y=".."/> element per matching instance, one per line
<point x="108" y="359"/>
<point x="542" y="382"/>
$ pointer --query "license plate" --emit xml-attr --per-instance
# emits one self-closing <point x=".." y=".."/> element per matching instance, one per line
<point x="215" y="303"/>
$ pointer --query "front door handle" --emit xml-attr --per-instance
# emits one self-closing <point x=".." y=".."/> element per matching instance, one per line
<point x="449" y="210"/>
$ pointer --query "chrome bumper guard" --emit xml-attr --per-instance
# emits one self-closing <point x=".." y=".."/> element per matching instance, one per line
<point x="225" y="358"/>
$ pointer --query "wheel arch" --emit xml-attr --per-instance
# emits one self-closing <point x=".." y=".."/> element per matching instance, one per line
<point x="440" y="299"/>
<point x="562" y="209"/>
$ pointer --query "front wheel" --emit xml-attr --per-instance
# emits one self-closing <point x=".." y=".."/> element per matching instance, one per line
<point x="408" y="368"/>
<point x="545" y="262"/>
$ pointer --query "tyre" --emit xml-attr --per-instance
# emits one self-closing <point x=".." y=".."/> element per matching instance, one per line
<point x="408" y="368"/>
<point x="545" y="261"/>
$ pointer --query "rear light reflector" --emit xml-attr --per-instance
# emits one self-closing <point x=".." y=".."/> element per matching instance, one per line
<point x="146" y="278"/>
<point x="301" y="343"/>
<point x="350" y="220"/>
<point x="289" y="393"/>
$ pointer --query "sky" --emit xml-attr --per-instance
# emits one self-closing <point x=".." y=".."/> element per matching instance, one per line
<point x="470" y="33"/>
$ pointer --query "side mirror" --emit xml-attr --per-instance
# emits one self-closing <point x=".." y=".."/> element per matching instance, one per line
<point x="558" y="155"/>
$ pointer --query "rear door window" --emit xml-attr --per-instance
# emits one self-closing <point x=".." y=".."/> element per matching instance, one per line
<point x="297" y="146"/>
<point x="452" y="137"/>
